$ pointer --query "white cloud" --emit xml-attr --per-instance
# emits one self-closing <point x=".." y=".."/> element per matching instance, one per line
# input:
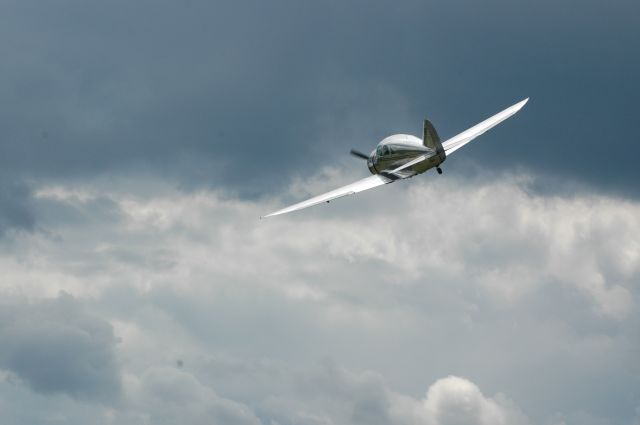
<point x="496" y="235"/>
<point x="458" y="401"/>
<point x="468" y="223"/>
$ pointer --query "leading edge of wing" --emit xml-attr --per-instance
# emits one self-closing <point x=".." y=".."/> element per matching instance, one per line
<point x="359" y="186"/>
<point x="458" y="141"/>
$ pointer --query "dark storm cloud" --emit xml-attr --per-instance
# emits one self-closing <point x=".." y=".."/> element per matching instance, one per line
<point x="57" y="347"/>
<point x="247" y="93"/>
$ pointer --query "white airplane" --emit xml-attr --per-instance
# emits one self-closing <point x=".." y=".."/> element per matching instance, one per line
<point x="402" y="156"/>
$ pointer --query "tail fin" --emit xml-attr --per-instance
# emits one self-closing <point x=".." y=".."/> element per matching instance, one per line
<point x="431" y="140"/>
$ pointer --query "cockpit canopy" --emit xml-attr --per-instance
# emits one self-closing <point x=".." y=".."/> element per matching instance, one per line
<point x="384" y="150"/>
<point x="398" y="144"/>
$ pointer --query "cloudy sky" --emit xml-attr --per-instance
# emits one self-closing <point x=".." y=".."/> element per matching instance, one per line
<point x="141" y="140"/>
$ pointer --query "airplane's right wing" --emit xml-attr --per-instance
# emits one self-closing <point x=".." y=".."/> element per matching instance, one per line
<point x="456" y="142"/>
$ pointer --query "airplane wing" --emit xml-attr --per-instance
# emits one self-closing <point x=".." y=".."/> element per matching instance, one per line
<point x="456" y="142"/>
<point x="364" y="184"/>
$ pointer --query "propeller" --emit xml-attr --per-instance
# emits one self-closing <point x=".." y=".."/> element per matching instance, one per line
<point x="359" y="154"/>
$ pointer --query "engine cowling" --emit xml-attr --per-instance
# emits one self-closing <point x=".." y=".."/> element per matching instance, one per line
<point x="371" y="163"/>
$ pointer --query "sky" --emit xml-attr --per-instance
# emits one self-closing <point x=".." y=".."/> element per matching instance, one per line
<point x="140" y="142"/>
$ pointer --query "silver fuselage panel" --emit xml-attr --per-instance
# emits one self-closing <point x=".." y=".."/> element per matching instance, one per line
<point x="399" y="149"/>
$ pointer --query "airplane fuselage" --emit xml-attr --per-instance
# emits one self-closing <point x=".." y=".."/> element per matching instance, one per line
<point x="397" y="150"/>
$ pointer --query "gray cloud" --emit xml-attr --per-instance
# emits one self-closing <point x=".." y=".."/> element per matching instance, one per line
<point x="330" y="394"/>
<point x="15" y="207"/>
<point x="167" y="396"/>
<point x="55" y="346"/>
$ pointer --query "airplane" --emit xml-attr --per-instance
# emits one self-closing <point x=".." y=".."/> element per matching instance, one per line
<point x="401" y="156"/>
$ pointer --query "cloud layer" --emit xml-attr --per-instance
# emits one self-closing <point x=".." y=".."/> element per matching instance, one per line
<point x="198" y="307"/>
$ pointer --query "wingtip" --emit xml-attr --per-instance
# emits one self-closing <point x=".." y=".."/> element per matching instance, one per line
<point x="516" y="107"/>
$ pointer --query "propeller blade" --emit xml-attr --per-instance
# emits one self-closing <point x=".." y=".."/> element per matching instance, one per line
<point x="358" y="154"/>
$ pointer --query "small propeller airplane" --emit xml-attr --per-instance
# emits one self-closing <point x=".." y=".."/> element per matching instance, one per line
<point x="401" y="156"/>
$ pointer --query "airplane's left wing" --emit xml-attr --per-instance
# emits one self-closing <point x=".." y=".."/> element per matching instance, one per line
<point x="359" y="186"/>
